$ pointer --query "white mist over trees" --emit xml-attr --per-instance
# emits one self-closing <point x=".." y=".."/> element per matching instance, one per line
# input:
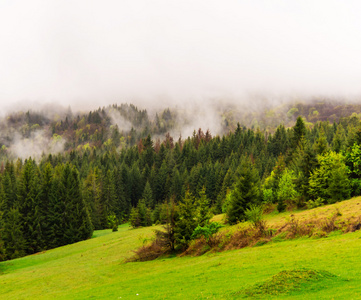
<point x="180" y="52"/>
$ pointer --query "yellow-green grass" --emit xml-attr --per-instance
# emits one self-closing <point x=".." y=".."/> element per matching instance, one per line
<point x="94" y="269"/>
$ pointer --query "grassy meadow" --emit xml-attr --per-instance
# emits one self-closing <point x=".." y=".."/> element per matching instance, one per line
<point x="95" y="269"/>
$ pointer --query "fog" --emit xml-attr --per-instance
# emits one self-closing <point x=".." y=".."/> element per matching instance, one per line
<point x="158" y="53"/>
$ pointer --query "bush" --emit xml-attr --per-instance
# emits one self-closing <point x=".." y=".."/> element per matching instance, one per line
<point x="255" y="215"/>
<point x="207" y="231"/>
<point x="316" y="203"/>
<point x="268" y="196"/>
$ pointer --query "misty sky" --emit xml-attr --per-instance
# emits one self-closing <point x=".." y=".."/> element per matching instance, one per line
<point x="101" y="52"/>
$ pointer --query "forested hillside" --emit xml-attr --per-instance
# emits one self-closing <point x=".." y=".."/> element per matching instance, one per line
<point x="116" y="169"/>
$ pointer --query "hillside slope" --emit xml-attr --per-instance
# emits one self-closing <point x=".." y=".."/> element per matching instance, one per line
<point x="94" y="269"/>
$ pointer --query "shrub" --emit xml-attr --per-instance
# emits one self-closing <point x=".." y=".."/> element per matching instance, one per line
<point x="255" y="215"/>
<point x="268" y="196"/>
<point x="316" y="203"/>
<point x="207" y="231"/>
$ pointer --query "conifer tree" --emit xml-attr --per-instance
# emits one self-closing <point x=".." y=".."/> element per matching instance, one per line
<point x="108" y="198"/>
<point x="321" y="145"/>
<point x="339" y="139"/>
<point x="160" y="191"/>
<point x="203" y="213"/>
<point x="56" y="209"/>
<point x="45" y="191"/>
<point x="121" y="208"/>
<point x="245" y="192"/>
<point x="30" y="207"/>
<point x="134" y="218"/>
<point x="304" y="161"/>
<point x="186" y="222"/>
<point x="299" y="131"/>
<point x="227" y="183"/>
<point x="148" y="195"/>
<point x="176" y="187"/>
<point x="12" y="235"/>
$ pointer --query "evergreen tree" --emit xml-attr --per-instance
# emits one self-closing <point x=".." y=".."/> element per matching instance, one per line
<point x="186" y="222"/>
<point x="203" y="213"/>
<point x="134" y="218"/>
<point x="108" y="198"/>
<point x="299" y="131"/>
<point x="12" y="235"/>
<point x="303" y="163"/>
<point x="30" y="208"/>
<point x="176" y="186"/>
<point x="245" y="192"/>
<point x="321" y="145"/>
<point x="121" y="206"/>
<point x="339" y="139"/>
<point x="148" y="195"/>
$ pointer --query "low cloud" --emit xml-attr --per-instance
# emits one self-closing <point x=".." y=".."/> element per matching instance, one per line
<point x="36" y="145"/>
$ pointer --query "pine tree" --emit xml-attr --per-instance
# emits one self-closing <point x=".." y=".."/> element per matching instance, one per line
<point x="203" y="213"/>
<point x="186" y="222"/>
<point x="45" y="198"/>
<point x="134" y="218"/>
<point x="304" y="161"/>
<point x="321" y="145"/>
<point x="108" y="198"/>
<point x="121" y="207"/>
<point x="12" y="235"/>
<point x="30" y="207"/>
<point x="148" y="195"/>
<point x="339" y="139"/>
<point x="176" y="187"/>
<point x="245" y="192"/>
<point x="299" y="131"/>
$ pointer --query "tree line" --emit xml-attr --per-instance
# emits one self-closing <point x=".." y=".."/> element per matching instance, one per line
<point x="62" y="198"/>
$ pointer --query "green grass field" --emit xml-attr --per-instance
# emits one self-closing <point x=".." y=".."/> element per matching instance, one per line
<point x="94" y="269"/>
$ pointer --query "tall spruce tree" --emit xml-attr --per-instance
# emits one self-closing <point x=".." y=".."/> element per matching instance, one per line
<point x="30" y="208"/>
<point x="186" y="222"/>
<point x="245" y="192"/>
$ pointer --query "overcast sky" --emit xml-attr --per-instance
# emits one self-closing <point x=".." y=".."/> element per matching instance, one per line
<point x="100" y="52"/>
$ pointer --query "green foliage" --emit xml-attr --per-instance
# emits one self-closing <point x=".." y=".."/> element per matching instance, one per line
<point x="353" y="162"/>
<point x="245" y="192"/>
<point x="286" y="189"/>
<point x="291" y="112"/>
<point x="148" y="195"/>
<point x="186" y="221"/>
<point x="203" y="212"/>
<point x="321" y="145"/>
<point x="330" y="181"/>
<point x="134" y="219"/>
<point x="14" y="241"/>
<point x="113" y="222"/>
<point x="314" y="203"/>
<point x="207" y="231"/>
<point x="299" y="131"/>
<point x="216" y="276"/>
<point x="254" y="214"/>
<point x="227" y="202"/>
<point x="268" y="196"/>
<point x="106" y="170"/>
